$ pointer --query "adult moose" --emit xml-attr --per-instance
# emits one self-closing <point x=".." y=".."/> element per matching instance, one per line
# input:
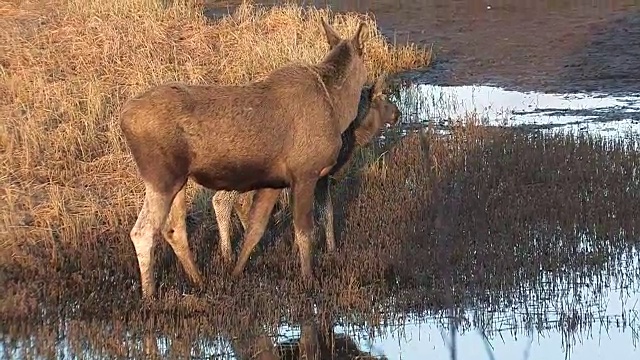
<point x="374" y="111"/>
<point x="282" y="131"/>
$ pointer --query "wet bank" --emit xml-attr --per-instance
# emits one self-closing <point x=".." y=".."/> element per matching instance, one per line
<point x="573" y="321"/>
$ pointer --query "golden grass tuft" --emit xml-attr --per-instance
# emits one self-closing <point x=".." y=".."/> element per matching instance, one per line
<point x="67" y="66"/>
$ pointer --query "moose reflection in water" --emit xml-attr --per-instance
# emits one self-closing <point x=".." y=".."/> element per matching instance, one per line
<point x="374" y="111"/>
<point x="315" y="342"/>
<point x="317" y="339"/>
<point x="241" y="138"/>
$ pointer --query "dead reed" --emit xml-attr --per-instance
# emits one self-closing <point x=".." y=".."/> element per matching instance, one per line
<point x="488" y="206"/>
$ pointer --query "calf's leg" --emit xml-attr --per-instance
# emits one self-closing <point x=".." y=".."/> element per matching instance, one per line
<point x="303" y="193"/>
<point x="175" y="233"/>
<point x="309" y="345"/>
<point x="150" y="220"/>
<point x="263" y="202"/>
<point x="242" y="207"/>
<point x="323" y="198"/>
<point x="223" y="203"/>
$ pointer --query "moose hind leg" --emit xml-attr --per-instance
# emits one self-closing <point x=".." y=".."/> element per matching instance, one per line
<point x="175" y="233"/>
<point x="303" y="193"/>
<point x="150" y="219"/>
<point x="223" y="204"/>
<point x="263" y="203"/>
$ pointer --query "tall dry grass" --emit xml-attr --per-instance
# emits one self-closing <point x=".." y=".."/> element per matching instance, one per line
<point x="67" y="66"/>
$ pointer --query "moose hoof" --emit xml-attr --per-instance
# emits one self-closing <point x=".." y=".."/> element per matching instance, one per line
<point x="199" y="291"/>
<point x="148" y="294"/>
<point x="308" y="280"/>
<point x="227" y="256"/>
<point x="147" y="302"/>
<point x="198" y="286"/>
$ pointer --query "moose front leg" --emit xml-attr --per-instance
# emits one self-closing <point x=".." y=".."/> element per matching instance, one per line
<point x="175" y="233"/>
<point x="150" y="221"/>
<point x="261" y="208"/>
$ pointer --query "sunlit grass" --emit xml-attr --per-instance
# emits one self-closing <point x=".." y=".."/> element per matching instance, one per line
<point x="67" y="66"/>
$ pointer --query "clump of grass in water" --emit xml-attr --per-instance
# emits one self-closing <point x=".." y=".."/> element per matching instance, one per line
<point x="68" y="182"/>
<point x="502" y="194"/>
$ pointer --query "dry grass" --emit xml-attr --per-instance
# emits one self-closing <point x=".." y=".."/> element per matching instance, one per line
<point x="67" y="66"/>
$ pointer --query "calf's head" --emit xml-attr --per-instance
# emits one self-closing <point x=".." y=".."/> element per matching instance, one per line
<point x="381" y="112"/>
<point x="386" y="111"/>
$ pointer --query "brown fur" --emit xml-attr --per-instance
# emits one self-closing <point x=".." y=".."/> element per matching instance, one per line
<point x="374" y="111"/>
<point x="270" y="134"/>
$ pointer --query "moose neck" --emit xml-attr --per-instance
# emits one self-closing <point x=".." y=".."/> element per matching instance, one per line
<point x="351" y="137"/>
<point x="367" y="122"/>
<point x="343" y="82"/>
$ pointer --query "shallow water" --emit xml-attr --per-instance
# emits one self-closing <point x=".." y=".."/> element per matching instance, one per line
<point x="558" y="45"/>
<point x="588" y="313"/>
<point x="581" y="303"/>
<point x="595" y="113"/>
<point x="574" y="321"/>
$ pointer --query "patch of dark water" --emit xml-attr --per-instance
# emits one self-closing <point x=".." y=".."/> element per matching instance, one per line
<point x="556" y="45"/>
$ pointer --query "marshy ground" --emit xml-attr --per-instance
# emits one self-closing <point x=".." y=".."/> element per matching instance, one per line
<point x="505" y="232"/>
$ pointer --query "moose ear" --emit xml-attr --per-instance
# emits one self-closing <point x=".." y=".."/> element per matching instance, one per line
<point x="356" y="40"/>
<point x="332" y="36"/>
<point x="380" y="84"/>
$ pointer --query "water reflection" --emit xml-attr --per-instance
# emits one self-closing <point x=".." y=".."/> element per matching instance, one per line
<point x="314" y="338"/>
<point x="585" y="319"/>
<point x="581" y="323"/>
